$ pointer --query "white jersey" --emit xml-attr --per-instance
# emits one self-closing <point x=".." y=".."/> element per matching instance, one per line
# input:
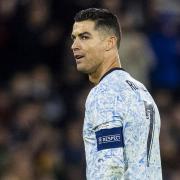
<point x="121" y="130"/>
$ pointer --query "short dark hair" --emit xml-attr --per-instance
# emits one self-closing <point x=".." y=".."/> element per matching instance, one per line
<point x="103" y="18"/>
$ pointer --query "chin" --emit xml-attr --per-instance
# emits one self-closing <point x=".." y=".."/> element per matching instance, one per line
<point x="82" y="69"/>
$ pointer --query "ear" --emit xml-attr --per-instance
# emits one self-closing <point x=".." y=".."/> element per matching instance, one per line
<point x="111" y="42"/>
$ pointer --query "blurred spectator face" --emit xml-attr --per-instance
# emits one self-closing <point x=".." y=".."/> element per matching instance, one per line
<point x="27" y="115"/>
<point x="111" y="4"/>
<point x="20" y="167"/>
<point x="166" y="6"/>
<point x="7" y="7"/>
<point x="37" y="84"/>
<point x="52" y="35"/>
<point x="38" y="13"/>
<point x="41" y="81"/>
<point x="21" y="85"/>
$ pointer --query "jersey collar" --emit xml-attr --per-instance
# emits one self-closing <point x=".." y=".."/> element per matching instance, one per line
<point x="108" y="72"/>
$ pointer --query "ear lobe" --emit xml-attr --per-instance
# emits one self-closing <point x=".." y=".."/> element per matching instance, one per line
<point x="111" y="43"/>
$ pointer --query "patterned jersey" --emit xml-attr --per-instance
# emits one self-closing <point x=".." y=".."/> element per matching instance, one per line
<point x="121" y="130"/>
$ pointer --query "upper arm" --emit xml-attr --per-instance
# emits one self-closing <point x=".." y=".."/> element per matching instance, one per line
<point x="110" y="110"/>
<point x="108" y="128"/>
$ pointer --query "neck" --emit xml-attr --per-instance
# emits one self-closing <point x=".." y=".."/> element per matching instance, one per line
<point x="103" y="68"/>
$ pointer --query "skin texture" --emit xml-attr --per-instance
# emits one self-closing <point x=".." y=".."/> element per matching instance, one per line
<point x="97" y="49"/>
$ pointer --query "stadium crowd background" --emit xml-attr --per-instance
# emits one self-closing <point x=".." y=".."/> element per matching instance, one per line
<point x="42" y="95"/>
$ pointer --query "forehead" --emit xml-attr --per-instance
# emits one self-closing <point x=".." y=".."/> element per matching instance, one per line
<point x="83" y="26"/>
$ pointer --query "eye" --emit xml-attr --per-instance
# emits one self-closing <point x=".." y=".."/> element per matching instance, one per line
<point x="84" y="37"/>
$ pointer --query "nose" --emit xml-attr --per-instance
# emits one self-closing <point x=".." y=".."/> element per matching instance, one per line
<point x="75" y="45"/>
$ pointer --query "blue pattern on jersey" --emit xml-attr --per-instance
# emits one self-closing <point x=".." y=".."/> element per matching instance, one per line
<point x="112" y="104"/>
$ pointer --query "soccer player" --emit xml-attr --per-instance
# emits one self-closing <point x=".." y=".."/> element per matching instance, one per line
<point x="122" y="122"/>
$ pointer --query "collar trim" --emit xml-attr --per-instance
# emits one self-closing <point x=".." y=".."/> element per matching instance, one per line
<point x="108" y="72"/>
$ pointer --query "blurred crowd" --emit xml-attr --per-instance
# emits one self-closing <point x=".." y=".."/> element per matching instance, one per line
<point x="42" y="95"/>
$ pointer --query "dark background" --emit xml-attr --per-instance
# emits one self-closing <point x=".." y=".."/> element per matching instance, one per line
<point x="42" y="95"/>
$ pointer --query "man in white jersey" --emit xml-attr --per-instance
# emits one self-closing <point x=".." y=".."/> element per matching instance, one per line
<point x="122" y="122"/>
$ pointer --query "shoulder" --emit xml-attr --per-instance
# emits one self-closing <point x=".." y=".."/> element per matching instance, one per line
<point x="116" y="83"/>
<point x="117" y="86"/>
<point x="111" y="87"/>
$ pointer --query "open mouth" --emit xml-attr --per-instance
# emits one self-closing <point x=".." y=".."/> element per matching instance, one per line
<point x="77" y="57"/>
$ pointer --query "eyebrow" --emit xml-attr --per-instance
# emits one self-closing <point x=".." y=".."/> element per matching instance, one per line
<point x="81" y="34"/>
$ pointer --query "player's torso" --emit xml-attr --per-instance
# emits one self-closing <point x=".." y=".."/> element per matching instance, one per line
<point x="122" y="82"/>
